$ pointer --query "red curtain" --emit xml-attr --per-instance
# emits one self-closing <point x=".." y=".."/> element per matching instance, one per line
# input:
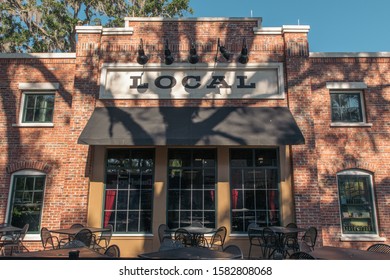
<point x="110" y="198"/>
<point x="235" y="198"/>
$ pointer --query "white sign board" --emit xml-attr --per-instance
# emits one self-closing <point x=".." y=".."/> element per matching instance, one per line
<point x="163" y="82"/>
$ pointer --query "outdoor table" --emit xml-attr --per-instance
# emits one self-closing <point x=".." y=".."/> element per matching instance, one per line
<point x="11" y="229"/>
<point x="84" y="253"/>
<point x="189" y="253"/>
<point x="281" y="232"/>
<point x="196" y="232"/>
<point x="337" y="253"/>
<point x="74" y="231"/>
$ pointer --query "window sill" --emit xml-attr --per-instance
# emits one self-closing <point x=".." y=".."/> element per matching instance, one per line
<point x="32" y="237"/>
<point x="132" y="235"/>
<point x="339" y="124"/>
<point x="33" y="125"/>
<point x="362" y="237"/>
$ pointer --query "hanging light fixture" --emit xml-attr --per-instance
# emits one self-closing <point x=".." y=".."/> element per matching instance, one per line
<point x="223" y="51"/>
<point x="169" y="59"/>
<point x="142" y="58"/>
<point x="243" y="58"/>
<point x="193" y="58"/>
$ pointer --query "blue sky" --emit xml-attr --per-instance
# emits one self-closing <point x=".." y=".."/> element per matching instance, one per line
<point x="335" y="25"/>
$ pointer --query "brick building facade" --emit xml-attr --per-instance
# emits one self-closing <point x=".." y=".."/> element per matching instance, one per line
<point x="327" y="168"/>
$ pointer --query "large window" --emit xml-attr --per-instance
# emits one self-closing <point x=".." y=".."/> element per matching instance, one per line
<point x="347" y="107"/>
<point x="129" y="190"/>
<point x="191" y="187"/>
<point x="38" y="108"/>
<point x="27" y="199"/>
<point x="356" y="202"/>
<point x="254" y="181"/>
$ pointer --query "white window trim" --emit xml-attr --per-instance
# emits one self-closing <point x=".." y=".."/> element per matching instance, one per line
<point x="22" y="104"/>
<point x="26" y="172"/>
<point x="352" y="124"/>
<point x="366" y="236"/>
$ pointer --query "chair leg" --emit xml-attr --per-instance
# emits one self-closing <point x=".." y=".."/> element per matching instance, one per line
<point x="250" y="249"/>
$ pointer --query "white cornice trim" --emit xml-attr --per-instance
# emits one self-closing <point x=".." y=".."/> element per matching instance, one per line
<point x="267" y="31"/>
<point x="118" y="31"/>
<point x="37" y="55"/>
<point x="296" y="28"/>
<point x="211" y="19"/>
<point x="349" y="54"/>
<point x="89" y="29"/>
<point x="39" y="86"/>
<point x="346" y="85"/>
<point x="281" y="30"/>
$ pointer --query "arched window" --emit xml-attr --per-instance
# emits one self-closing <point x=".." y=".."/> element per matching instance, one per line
<point x="357" y="203"/>
<point x="26" y="199"/>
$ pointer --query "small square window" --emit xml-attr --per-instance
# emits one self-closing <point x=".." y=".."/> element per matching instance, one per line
<point x="38" y="108"/>
<point x="347" y="107"/>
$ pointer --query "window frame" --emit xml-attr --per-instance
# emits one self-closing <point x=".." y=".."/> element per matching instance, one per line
<point x="22" y="110"/>
<point x="26" y="172"/>
<point x="358" y="236"/>
<point x="362" y="110"/>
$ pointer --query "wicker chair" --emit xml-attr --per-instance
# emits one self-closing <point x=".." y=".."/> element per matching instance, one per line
<point x="379" y="248"/>
<point x="301" y="256"/>
<point x="234" y="249"/>
<point x="113" y="251"/>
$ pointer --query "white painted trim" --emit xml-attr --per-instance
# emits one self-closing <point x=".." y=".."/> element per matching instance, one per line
<point x="118" y="31"/>
<point x="348" y="54"/>
<point x="89" y="29"/>
<point x="33" y="125"/>
<point x="32" y="237"/>
<point x="267" y="31"/>
<point x="361" y="237"/>
<point x="186" y="19"/>
<point x="132" y="235"/>
<point x="37" y="55"/>
<point x="39" y="86"/>
<point x="296" y="28"/>
<point x="341" y="124"/>
<point x="346" y="85"/>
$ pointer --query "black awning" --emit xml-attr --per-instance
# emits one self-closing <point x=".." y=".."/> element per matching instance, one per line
<point x="191" y="126"/>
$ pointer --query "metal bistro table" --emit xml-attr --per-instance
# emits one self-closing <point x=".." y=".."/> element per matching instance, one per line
<point x="196" y="232"/>
<point x="337" y="253"/>
<point x="281" y="232"/>
<point x="189" y="253"/>
<point x="74" y="231"/>
<point x="83" y="253"/>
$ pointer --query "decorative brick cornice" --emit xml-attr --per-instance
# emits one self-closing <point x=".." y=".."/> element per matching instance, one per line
<point x="29" y="164"/>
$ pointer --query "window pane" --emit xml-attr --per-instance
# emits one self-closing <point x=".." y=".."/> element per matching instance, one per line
<point x="356" y="204"/>
<point x="346" y="107"/>
<point x="38" y="108"/>
<point x="27" y="202"/>
<point x="254" y="188"/>
<point x="191" y="186"/>
<point x="129" y="185"/>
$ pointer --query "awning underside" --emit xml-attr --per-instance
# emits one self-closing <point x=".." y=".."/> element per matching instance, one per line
<point x="191" y="126"/>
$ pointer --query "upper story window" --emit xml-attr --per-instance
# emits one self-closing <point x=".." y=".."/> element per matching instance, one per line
<point x="347" y="103"/>
<point x="347" y="107"/>
<point x="357" y="205"/>
<point x="38" y="107"/>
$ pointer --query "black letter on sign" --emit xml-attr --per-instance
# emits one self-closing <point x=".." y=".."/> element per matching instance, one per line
<point x="242" y="84"/>
<point x="186" y="84"/>
<point x="136" y="84"/>
<point x="218" y="80"/>
<point x="172" y="82"/>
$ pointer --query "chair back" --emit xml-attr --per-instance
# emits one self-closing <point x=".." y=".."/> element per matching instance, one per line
<point x="23" y="232"/>
<point x="47" y="239"/>
<point x="379" y="248"/>
<point x="162" y="234"/>
<point x="301" y="256"/>
<point x="218" y="238"/>
<point x="310" y="237"/>
<point x="84" y="236"/>
<point x="105" y="236"/>
<point x="77" y="226"/>
<point x="113" y="251"/>
<point x="183" y="236"/>
<point x="234" y="249"/>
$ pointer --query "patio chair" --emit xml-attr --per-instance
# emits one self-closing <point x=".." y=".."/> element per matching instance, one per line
<point x="255" y="238"/>
<point x="270" y="243"/>
<point x="309" y="238"/>
<point x="170" y="244"/>
<point x="379" y="248"/>
<point x="48" y="240"/>
<point x="81" y="239"/>
<point x="218" y="238"/>
<point x="113" y="251"/>
<point x="183" y="236"/>
<point x="291" y="240"/>
<point x="301" y="256"/>
<point x="77" y="226"/>
<point x="234" y="249"/>
<point x="104" y="239"/>
<point x="162" y="233"/>
<point x="15" y="245"/>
